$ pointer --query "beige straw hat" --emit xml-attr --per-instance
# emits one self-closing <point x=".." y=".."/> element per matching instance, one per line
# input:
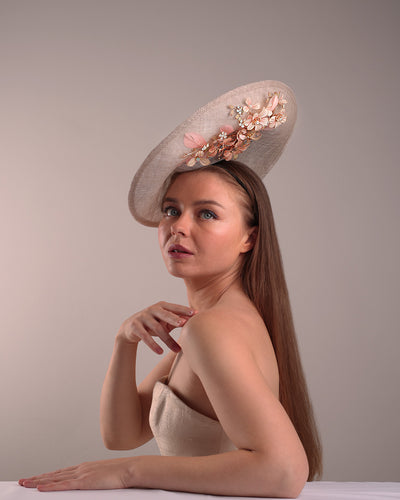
<point x="251" y="123"/>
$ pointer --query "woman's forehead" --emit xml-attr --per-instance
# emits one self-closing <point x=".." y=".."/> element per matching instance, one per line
<point x="205" y="184"/>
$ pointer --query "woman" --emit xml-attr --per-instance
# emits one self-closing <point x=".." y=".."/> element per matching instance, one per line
<point x="228" y="405"/>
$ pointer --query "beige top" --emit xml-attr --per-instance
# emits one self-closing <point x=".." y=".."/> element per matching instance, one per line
<point x="182" y="431"/>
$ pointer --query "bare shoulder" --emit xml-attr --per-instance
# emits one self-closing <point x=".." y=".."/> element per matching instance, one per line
<point x="216" y="333"/>
<point x="227" y="339"/>
<point x="214" y="328"/>
<point x="233" y="321"/>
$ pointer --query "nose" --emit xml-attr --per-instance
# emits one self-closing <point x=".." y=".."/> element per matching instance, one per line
<point x="181" y="225"/>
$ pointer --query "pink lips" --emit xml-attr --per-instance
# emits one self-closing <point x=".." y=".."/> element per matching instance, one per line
<point x="179" y="251"/>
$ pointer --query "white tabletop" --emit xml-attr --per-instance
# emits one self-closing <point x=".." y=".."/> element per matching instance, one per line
<point x="318" y="490"/>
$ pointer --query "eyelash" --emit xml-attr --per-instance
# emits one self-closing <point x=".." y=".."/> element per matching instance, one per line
<point x="165" y="210"/>
<point x="204" y="210"/>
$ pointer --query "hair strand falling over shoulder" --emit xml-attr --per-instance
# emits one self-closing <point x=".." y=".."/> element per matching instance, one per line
<point x="263" y="280"/>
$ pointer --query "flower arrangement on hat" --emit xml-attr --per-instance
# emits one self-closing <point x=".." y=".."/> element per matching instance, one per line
<point x="230" y="142"/>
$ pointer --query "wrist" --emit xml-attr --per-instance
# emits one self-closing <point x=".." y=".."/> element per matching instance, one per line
<point x="121" y="341"/>
<point x="134" y="473"/>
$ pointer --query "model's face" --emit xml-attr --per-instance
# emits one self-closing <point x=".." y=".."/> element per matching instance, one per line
<point x="202" y="232"/>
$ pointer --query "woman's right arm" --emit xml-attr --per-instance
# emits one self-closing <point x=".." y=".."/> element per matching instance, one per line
<point x="124" y="407"/>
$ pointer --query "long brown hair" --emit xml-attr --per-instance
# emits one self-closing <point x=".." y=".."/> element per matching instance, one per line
<point x="264" y="282"/>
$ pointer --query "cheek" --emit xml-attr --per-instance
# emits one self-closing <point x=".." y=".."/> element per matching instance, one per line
<point x="226" y="239"/>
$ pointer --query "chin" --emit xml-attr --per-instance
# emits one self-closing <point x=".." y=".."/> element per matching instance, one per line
<point x="180" y="272"/>
<point x="175" y="271"/>
<point x="176" y="274"/>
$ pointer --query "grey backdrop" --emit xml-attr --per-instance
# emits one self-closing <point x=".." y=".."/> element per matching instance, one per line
<point x="87" y="89"/>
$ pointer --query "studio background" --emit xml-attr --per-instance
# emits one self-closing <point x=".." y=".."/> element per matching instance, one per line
<point x="87" y="89"/>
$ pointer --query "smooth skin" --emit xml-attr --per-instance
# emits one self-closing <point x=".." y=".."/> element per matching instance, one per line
<point x="227" y="369"/>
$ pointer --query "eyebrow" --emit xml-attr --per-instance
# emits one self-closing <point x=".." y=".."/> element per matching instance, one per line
<point x="198" y="202"/>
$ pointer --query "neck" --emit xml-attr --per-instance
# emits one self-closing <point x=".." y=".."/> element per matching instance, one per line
<point x="206" y="293"/>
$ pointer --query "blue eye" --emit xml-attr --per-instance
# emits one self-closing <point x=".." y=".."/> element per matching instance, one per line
<point x="170" y="211"/>
<point x="207" y="215"/>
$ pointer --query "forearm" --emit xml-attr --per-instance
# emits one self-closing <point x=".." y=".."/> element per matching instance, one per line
<point x="120" y="408"/>
<point x="235" y="473"/>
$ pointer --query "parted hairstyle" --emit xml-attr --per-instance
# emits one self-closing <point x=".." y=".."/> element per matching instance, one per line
<point x="264" y="282"/>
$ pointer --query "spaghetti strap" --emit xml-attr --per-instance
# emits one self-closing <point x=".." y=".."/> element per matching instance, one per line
<point x="173" y="367"/>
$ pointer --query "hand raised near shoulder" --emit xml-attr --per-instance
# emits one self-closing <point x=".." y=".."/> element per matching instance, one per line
<point x="157" y="320"/>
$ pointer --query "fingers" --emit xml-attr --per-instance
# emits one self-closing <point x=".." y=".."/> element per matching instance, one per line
<point x="174" y="315"/>
<point x="49" y="478"/>
<point x="53" y="473"/>
<point x="157" y="320"/>
<point x="60" y="486"/>
<point x="177" y="308"/>
<point x="160" y="330"/>
<point x="171" y="344"/>
<point x="150" y="342"/>
<point x="53" y="485"/>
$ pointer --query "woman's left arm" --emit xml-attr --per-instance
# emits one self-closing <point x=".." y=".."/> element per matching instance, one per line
<point x="270" y="460"/>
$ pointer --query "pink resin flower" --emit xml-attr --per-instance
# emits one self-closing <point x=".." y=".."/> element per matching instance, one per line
<point x="249" y="105"/>
<point x="242" y="135"/>
<point x="273" y="103"/>
<point x="258" y="120"/>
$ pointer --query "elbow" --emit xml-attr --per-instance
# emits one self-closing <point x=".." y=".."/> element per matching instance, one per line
<point x="293" y="477"/>
<point x="110" y="444"/>
<point x="292" y="487"/>
<point x="116" y="444"/>
<point x="284" y="477"/>
<point x="109" y="440"/>
<point x="119" y="446"/>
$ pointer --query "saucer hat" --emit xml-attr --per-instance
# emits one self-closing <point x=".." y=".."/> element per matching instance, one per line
<point x="251" y="123"/>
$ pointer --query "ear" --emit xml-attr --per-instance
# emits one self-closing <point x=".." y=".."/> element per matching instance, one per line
<point x="250" y="239"/>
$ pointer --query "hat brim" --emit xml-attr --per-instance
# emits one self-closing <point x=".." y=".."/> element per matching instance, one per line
<point x="146" y="189"/>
